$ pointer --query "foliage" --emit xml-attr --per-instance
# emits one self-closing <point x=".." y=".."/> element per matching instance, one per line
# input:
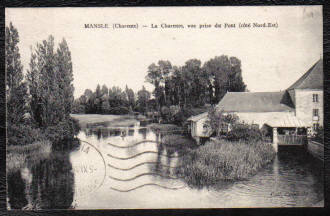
<point x="16" y="89"/>
<point x="226" y="75"/>
<point x="193" y="84"/>
<point x="143" y="98"/>
<point x="244" y="132"/>
<point x="218" y="120"/>
<point x="22" y="134"/>
<point x="41" y="114"/>
<point x="50" y="83"/>
<point x="111" y="101"/>
<point x="222" y="161"/>
<point x="18" y="156"/>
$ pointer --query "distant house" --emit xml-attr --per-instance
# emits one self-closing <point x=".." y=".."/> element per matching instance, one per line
<point x="198" y="126"/>
<point x="294" y="110"/>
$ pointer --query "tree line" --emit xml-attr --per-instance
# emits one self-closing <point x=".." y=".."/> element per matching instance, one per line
<point x="40" y="101"/>
<point x="187" y="86"/>
<point x="112" y="100"/>
<point x="194" y="84"/>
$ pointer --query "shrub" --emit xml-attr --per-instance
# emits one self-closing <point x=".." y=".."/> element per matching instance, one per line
<point x="222" y="160"/>
<point x="64" y="130"/>
<point x="118" y="110"/>
<point x="22" y="134"/>
<point x="244" y="132"/>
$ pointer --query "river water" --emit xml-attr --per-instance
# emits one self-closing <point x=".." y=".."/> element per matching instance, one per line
<point x="124" y="168"/>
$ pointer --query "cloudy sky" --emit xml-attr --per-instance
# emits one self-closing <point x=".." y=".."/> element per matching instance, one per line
<point x="272" y="58"/>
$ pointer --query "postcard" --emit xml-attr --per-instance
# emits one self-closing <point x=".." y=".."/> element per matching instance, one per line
<point x="164" y="107"/>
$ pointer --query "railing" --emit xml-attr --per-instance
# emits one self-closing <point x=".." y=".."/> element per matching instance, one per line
<point x="292" y="139"/>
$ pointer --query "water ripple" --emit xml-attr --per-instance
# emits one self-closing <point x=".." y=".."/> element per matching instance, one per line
<point x="135" y="144"/>
<point x="149" y="184"/>
<point x="143" y="174"/>
<point x="141" y="153"/>
<point x="141" y="164"/>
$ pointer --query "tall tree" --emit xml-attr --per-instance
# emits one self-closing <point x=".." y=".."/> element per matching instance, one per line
<point x="16" y="90"/>
<point x="225" y="74"/>
<point x="159" y="75"/>
<point x="130" y="97"/>
<point x="50" y="83"/>
<point x="65" y="77"/>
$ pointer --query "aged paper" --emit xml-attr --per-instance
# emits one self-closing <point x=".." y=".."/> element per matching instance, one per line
<point x="164" y="107"/>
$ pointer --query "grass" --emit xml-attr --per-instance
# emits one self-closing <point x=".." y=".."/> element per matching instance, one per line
<point x="18" y="157"/>
<point x="104" y="120"/>
<point x="224" y="161"/>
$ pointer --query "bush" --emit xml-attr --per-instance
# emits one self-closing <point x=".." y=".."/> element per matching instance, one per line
<point x="118" y="110"/>
<point x="21" y="134"/>
<point x="222" y="160"/>
<point x="244" y="132"/>
<point x="65" y="130"/>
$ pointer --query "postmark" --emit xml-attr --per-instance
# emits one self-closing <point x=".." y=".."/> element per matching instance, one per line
<point x="89" y="168"/>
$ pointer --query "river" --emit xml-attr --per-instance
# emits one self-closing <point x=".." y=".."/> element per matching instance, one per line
<point x="123" y="168"/>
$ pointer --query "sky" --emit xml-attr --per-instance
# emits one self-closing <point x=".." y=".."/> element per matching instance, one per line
<point x="272" y="58"/>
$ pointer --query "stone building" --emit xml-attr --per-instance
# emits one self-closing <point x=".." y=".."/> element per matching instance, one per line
<point x="298" y="109"/>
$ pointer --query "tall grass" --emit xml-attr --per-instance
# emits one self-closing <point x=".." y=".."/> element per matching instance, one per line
<point x="223" y="160"/>
<point x="18" y="157"/>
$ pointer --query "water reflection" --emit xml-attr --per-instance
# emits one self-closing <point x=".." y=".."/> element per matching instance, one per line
<point x="106" y="132"/>
<point x="47" y="184"/>
<point x="140" y="173"/>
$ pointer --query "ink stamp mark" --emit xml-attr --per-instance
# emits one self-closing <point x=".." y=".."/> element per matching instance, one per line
<point x="89" y="168"/>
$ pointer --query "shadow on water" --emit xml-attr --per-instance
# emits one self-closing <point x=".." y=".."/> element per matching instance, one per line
<point x="104" y="132"/>
<point x="46" y="184"/>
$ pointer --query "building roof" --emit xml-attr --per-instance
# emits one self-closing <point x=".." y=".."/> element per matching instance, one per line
<point x="312" y="79"/>
<point x="254" y="102"/>
<point x="198" y="117"/>
<point x="286" y="120"/>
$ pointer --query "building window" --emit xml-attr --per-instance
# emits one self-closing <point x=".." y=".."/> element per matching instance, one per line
<point x="315" y="112"/>
<point x="315" y="126"/>
<point x="315" y="98"/>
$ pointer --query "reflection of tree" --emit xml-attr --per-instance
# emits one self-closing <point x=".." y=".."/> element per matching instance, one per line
<point x="104" y="133"/>
<point x="45" y="185"/>
<point x="53" y="181"/>
<point x="16" y="187"/>
<point x="143" y="132"/>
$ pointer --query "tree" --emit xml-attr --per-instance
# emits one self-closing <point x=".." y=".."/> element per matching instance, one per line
<point x="225" y="74"/>
<point x="194" y="84"/>
<point x="65" y="78"/>
<point x="143" y="98"/>
<point x="158" y="75"/>
<point x="217" y="120"/>
<point x="50" y="83"/>
<point x="16" y="90"/>
<point x="98" y="99"/>
<point x="130" y="97"/>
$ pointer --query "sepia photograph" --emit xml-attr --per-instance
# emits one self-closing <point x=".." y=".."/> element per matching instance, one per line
<point x="164" y="107"/>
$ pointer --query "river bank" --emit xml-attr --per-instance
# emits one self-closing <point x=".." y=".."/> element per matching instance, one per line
<point x="18" y="157"/>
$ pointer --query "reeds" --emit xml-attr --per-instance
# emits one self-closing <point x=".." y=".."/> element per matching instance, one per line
<point x="223" y="160"/>
<point x="18" y="157"/>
